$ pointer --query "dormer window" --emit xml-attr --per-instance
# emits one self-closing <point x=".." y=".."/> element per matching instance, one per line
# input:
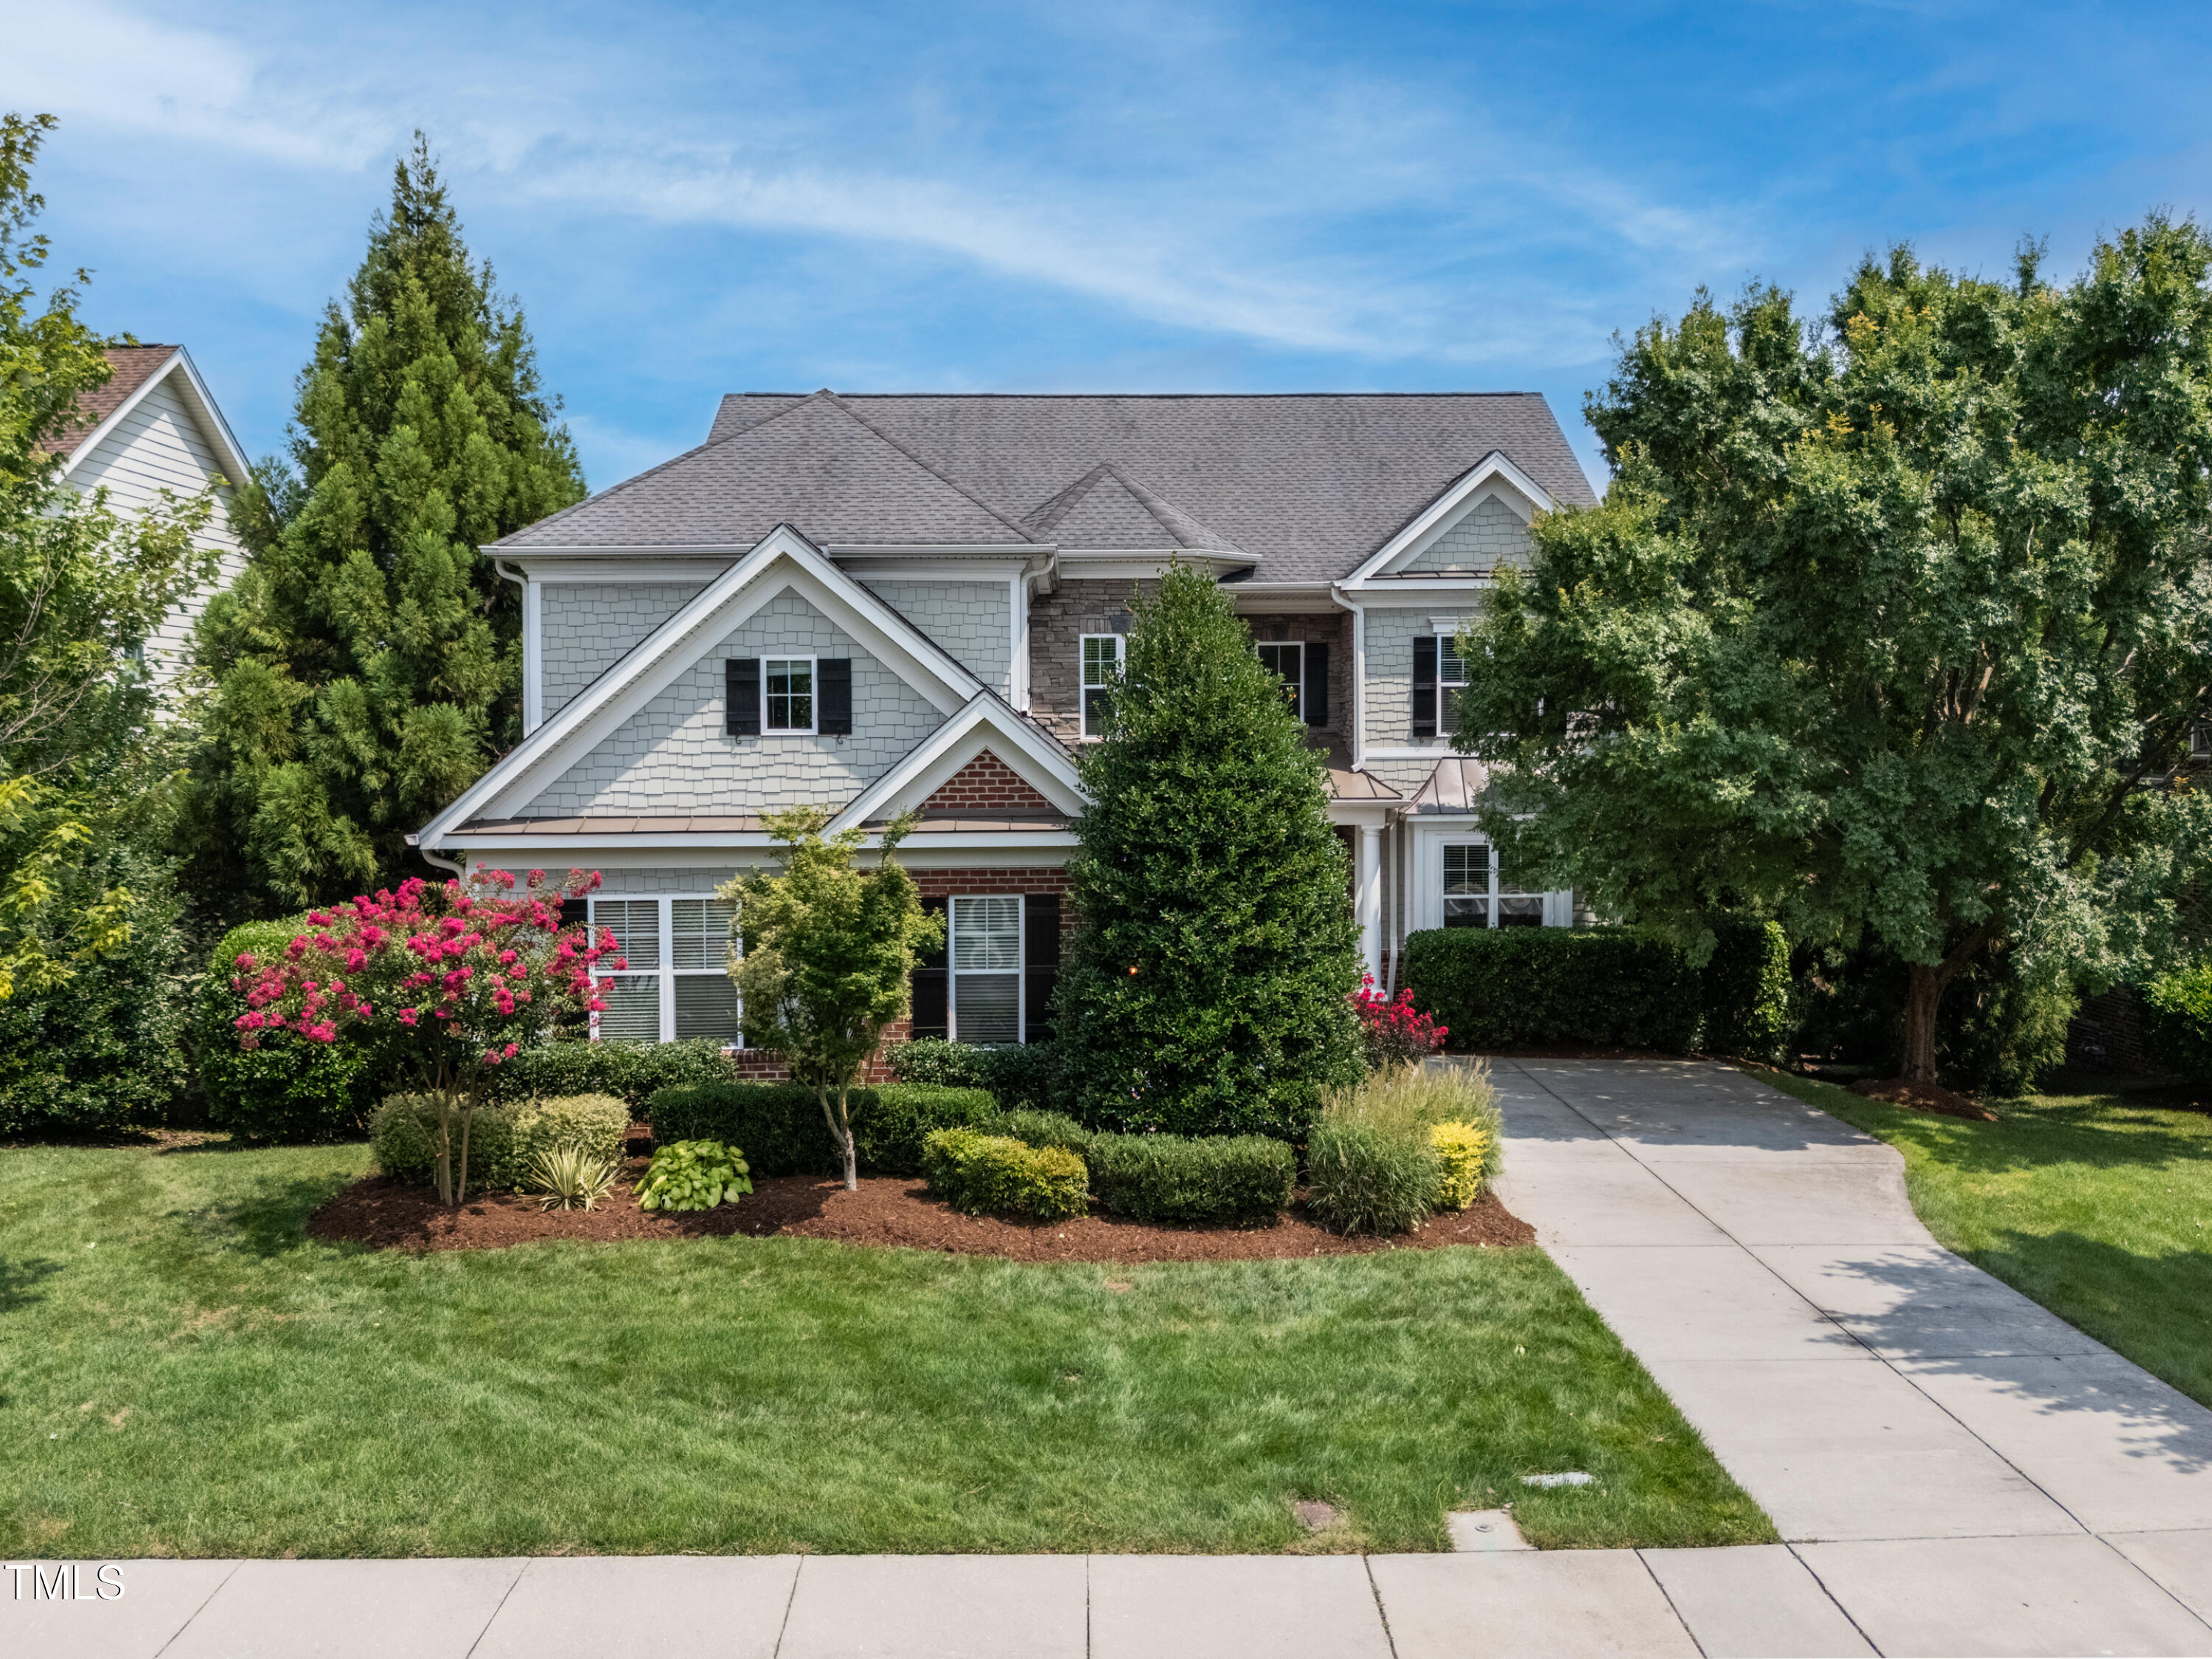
<point x="790" y="692"/>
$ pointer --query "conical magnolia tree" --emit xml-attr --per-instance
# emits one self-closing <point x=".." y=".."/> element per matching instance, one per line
<point x="1208" y="982"/>
<point x="366" y="668"/>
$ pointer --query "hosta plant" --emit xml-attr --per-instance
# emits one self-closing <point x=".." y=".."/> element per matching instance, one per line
<point x="571" y="1177"/>
<point x="693" y="1175"/>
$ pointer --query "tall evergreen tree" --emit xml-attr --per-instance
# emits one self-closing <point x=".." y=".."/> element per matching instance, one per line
<point x="1208" y="982"/>
<point x="366" y="668"/>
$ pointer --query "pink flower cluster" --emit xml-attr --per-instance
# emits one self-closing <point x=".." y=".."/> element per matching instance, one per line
<point x="477" y="966"/>
<point x="1394" y="1031"/>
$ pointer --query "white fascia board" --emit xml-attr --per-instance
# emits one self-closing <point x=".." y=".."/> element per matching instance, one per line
<point x="985" y="723"/>
<point x="1372" y="813"/>
<point x="1384" y="593"/>
<point x="651" y="666"/>
<point x="949" y="570"/>
<point x="1285" y="598"/>
<point x="213" y="427"/>
<point x="1492" y="466"/>
<point x="640" y="568"/>
<point x="613" y="852"/>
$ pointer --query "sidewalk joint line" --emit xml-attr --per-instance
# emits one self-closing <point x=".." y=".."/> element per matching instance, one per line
<point x="1833" y="1598"/>
<point x="781" y="1629"/>
<point x="1668" y="1597"/>
<point x="1367" y="1562"/>
<point x="198" y="1610"/>
<point x="503" y="1594"/>
<point x="2144" y="1573"/>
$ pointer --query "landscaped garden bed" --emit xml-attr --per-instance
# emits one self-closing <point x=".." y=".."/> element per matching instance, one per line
<point x="886" y="1211"/>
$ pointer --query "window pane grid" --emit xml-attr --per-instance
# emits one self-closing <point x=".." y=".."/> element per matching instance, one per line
<point x="1102" y="671"/>
<point x="700" y="934"/>
<point x="790" y="693"/>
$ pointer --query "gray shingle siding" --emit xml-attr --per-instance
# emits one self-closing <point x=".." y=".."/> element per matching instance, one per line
<point x="673" y="756"/>
<point x="1489" y="534"/>
<point x="974" y="621"/>
<point x="1391" y="637"/>
<point x="586" y="628"/>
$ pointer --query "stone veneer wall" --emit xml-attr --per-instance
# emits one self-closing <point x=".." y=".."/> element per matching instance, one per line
<point x="1489" y="534"/>
<point x="673" y="756"/>
<point x="974" y="621"/>
<point x="1058" y="622"/>
<point x="1334" y="629"/>
<point x="586" y="628"/>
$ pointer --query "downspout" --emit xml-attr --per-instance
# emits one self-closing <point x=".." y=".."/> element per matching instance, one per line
<point x="532" y="646"/>
<point x="433" y="858"/>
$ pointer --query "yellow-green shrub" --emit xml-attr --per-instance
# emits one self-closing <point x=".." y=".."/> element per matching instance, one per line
<point x="503" y="1140"/>
<point x="1463" y="1152"/>
<point x="993" y="1175"/>
<point x="596" y="1124"/>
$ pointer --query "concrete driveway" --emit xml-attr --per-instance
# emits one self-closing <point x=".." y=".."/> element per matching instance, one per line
<point x="1960" y="1470"/>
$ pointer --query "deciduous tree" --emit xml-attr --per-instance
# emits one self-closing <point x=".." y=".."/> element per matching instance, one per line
<point x="1894" y="625"/>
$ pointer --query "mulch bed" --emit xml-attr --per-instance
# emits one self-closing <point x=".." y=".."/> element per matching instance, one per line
<point x="1924" y="1097"/>
<point x="387" y="1215"/>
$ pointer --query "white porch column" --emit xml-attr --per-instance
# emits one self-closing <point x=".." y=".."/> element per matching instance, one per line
<point x="1369" y="889"/>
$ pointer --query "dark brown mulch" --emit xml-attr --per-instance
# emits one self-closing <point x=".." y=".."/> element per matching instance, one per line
<point x="1924" y="1097"/>
<point x="386" y="1215"/>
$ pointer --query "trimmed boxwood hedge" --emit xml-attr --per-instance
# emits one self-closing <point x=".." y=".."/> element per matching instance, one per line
<point x="632" y="1072"/>
<point x="1528" y="987"/>
<point x="779" y="1126"/>
<point x="1207" y="1181"/>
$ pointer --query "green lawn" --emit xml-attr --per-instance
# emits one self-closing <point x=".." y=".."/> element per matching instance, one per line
<point x="2098" y="1208"/>
<point x="184" y="1372"/>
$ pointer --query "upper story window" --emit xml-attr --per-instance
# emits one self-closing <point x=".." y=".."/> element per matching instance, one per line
<point x="1102" y="671"/>
<point x="1451" y="680"/>
<point x="1288" y="661"/>
<point x="1480" y="893"/>
<point x="1440" y="676"/>
<point x="790" y="692"/>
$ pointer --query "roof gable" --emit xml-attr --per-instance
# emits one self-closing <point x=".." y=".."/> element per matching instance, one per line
<point x="814" y="463"/>
<point x="986" y="728"/>
<point x="1494" y="475"/>
<point x="1107" y="510"/>
<point x="138" y="369"/>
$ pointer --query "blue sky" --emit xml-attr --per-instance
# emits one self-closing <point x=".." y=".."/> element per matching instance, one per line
<point x="1093" y="196"/>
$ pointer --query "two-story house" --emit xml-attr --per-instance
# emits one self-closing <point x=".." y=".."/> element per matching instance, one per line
<point x="885" y="602"/>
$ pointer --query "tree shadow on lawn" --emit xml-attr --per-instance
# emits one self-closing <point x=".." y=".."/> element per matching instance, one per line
<point x="19" y="1278"/>
<point x="2102" y="1131"/>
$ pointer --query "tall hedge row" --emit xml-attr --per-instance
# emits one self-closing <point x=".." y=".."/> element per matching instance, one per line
<point x="1518" y="988"/>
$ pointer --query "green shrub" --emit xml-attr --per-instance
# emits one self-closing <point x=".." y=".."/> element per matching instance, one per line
<point x="1024" y="1074"/>
<point x="1996" y="1032"/>
<point x="993" y="1174"/>
<point x="1213" y="1180"/>
<point x="632" y="1073"/>
<point x="781" y="1123"/>
<point x="934" y="1060"/>
<point x="1363" y="1179"/>
<point x="693" y="1175"/>
<point x="2177" y="1022"/>
<point x="593" y="1124"/>
<point x="288" y="1088"/>
<point x="1745" y="989"/>
<point x="1034" y="1128"/>
<point x="1531" y="986"/>
<point x="404" y="1134"/>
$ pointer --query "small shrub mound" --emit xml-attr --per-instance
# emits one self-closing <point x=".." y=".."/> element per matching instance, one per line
<point x="1463" y="1154"/>
<point x="2178" y="1020"/>
<point x="693" y="1175"/>
<point x="632" y="1073"/>
<point x="996" y="1174"/>
<point x="504" y="1141"/>
<point x="782" y="1123"/>
<point x="1034" y="1128"/>
<point x="934" y="1060"/>
<point x="1231" y="1181"/>
<point x="291" y="1087"/>
<point x="1364" y="1179"/>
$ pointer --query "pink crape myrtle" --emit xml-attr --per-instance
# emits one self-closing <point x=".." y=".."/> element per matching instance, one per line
<point x="453" y="981"/>
<point x="1394" y="1031"/>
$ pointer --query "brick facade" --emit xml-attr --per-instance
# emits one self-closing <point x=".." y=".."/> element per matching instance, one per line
<point x="985" y="787"/>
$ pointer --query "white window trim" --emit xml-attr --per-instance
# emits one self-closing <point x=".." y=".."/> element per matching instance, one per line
<point x="1556" y="910"/>
<point x="666" y="970"/>
<point x="1299" y="646"/>
<point x="1021" y="961"/>
<point x="1083" y="687"/>
<point x="813" y="698"/>
<point x="1446" y="651"/>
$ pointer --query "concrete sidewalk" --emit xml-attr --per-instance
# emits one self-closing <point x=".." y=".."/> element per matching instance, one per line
<point x="1962" y="1471"/>
<point x="1956" y="1471"/>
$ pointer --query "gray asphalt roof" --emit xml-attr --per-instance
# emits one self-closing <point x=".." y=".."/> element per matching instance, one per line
<point x="1311" y="483"/>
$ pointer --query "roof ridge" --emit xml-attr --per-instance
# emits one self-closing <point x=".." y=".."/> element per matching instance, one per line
<point x="1160" y="506"/>
<point x="961" y="490"/>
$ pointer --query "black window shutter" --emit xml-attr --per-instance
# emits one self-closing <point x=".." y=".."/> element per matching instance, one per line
<point x="836" y="676"/>
<point x="741" y="697"/>
<point x="1040" y="963"/>
<point x="1425" y="686"/>
<point x="1316" y="698"/>
<point x="576" y="912"/>
<point x="930" y="1018"/>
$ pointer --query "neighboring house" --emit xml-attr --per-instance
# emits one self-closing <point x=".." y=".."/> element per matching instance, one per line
<point x="154" y="426"/>
<point x="881" y="604"/>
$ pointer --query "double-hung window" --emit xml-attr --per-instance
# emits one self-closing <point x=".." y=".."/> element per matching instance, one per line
<point x="1451" y="680"/>
<point x="1478" y="892"/>
<point x="1102" y="672"/>
<point x="790" y="692"/>
<point x="1288" y="662"/>
<point x="677" y="984"/>
<point x="986" y="963"/>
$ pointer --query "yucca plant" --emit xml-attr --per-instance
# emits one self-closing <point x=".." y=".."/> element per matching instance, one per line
<point x="571" y="1177"/>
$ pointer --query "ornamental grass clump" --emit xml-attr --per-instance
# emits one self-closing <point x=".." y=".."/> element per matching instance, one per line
<point x="693" y="1175"/>
<point x="1401" y="1145"/>
<point x="571" y="1177"/>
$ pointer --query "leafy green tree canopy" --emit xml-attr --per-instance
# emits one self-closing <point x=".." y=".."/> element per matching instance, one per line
<point x="1894" y="624"/>
<point x="828" y="954"/>
<point x="1208" y="985"/>
<point x="366" y="667"/>
<point x="81" y="587"/>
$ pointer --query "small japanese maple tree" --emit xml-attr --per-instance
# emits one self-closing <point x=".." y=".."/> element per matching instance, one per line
<point x="1394" y="1032"/>
<point x="451" y="980"/>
